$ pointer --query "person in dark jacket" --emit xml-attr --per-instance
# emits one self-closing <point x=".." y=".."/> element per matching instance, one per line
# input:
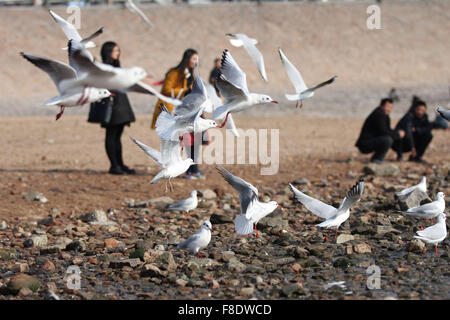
<point x="122" y="115"/>
<point x="376" y="134"/>
<point x="417" y="132"/>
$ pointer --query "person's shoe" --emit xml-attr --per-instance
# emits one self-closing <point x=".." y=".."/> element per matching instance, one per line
<point x="376" y="161"/>
<point x="116" y="170"/>
<point x="190" y="176"/>
<point x="199" y="175"/>
<point x="420" y="160"/>
<point x="399" y="156"/>
<point x="128" y="170"/>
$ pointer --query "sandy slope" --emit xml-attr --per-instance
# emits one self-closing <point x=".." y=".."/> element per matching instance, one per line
<point x="409" y="52"/>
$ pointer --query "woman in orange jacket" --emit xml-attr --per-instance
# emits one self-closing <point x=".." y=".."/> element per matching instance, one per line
<point x="178" y="82"/>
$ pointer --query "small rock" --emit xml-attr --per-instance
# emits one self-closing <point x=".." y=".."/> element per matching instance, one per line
<point x="247" y="291"/>
<point x="3" y="225"/>
<point x="291" y="289"/>
<point x="48" y="266"/>
<point x="362" y="248"/>
<point x="151" y="270"/>
<point x="296" y="267"/>
<point x="166" y="261"/>
<point x="382" y="170"/>
<point x="111" y="243"/>
<point x="36" y="241"/>
<point x="220" y="219"/>
<point x="7" y="254"/>
<point x="235" y="265"/>
<point x="301" y="181"/>
<point x="215" y="284"/>
<point x="133" y="263"/>
<point x="35" y="196"/>
<point x="97" y="217"/>
<point x="412" y="199"/>
<point x="23" y="292"/>
<point x="207" y="194"/>
<point x="78" y="245"/>
<point x="160" y="203"/>
<point x="416" y="245"/>
<point x="23" y="281"/>
<point x="21" y="267"/>
<point x="342" y="238"/>
<point x="181" y="282"/>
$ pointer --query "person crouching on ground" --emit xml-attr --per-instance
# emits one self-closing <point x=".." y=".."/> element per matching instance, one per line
<point x="417" y="132"/>
<point x="376" y="134"/>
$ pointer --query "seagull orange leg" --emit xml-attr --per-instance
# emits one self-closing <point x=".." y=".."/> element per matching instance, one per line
<point x="61" y="111"/>
<point x="436" y="250"/>
<point x="326" y="238"/>
<point x="226" y="119"/>
<point x="335" y="235"/>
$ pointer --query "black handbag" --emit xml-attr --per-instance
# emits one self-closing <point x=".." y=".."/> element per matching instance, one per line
<point x="101" y="111"/>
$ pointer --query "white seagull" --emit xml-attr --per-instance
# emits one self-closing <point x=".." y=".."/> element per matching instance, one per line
<point x="428" y="210"/>
<point x="173" y="128"/>
<point x="445" y="113"/>
<point x="251" y="209"/>
<point x="185" y="205"/>
<point x="198" y="241"/>
<point x="239" y="40"/>
<point x="301" y="90"/>
<point x="436" y="233"/>
<point x="97" y="74"/>
<point x="169" y="159"/>
<point x="216" y="102"/>
<point x="134" y="8"/>
<point x="232" y="85"/>
<point x="334" y="217"/>
<point x="422" y="185"/>
<point x="71" y="32"/>
<point x="60" y="73"/>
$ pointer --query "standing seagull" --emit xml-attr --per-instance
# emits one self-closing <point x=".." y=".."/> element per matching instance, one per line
<point x="422" y="185"/>
<point x="444" y="113"/>
<point x="429" y="210"/>
<point x="134" y="8"/>
<point x="232" y="85"/>
<point x="71" y="32"/>
<point x="301" y="90"/>
<point x="435" y="233"/>
<point x="251" y="209"/>
<point x="239" y="40"/>
<point x="60" y="74"/>
<point x="169" y="159"/>
<point x="185" y="205"/>
<point x="199" y="240"/>
<point x="334" y="217"/>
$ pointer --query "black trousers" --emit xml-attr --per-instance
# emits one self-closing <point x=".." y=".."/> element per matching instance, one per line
<point x="421" y="142"/>
<point x="379" y="145"/>
<point x="113" y="145"/>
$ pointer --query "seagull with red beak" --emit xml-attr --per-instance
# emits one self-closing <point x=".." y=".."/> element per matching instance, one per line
<point x="232" y="85"/>
<point x="251" y="209"/>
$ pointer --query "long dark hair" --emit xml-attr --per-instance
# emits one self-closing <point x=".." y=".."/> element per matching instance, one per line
<point x="416" y="101"/>
<point x="188" y="53"/>
<point x="106" y="51"/>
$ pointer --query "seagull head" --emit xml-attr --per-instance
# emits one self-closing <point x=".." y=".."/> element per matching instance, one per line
<point x="103" y="93"/>
<point x="440" y="195"/>
<point x="193" y="193"/>
<point x="207" y="225"/>
<point x="280" y="207"/>
<point x="266" y="99"/>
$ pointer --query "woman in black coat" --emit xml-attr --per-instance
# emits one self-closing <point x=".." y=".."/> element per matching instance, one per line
<point x="122" y="115"/>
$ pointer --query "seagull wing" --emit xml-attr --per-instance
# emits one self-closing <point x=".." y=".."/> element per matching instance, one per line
<point x="81" y="60"/>
<point x="330" y="81"/>
<point x="139" y="12"/>
<point x="353" y="196"/>
<point x="152" y="153"/>
<point x="444" y="113"/>
<point x="248" y="194"/>
<point x="254" y="53"/>
<point x="232" y="73"/>
<point x="69" y="29"/>
<point x="434" y="232"/>
<point x="92" y="36"/>
<point x="293" y="74"/>
<point x="170" y="152"/>
<point x="317" y="207"/>
<point x="142" y="87"/>
<point x="56" y="70"/>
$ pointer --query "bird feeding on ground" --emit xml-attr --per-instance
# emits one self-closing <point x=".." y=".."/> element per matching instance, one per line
<point x="185" y="205"/>
<point x="428" y="211"/>
<point x="436" y="233"/>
